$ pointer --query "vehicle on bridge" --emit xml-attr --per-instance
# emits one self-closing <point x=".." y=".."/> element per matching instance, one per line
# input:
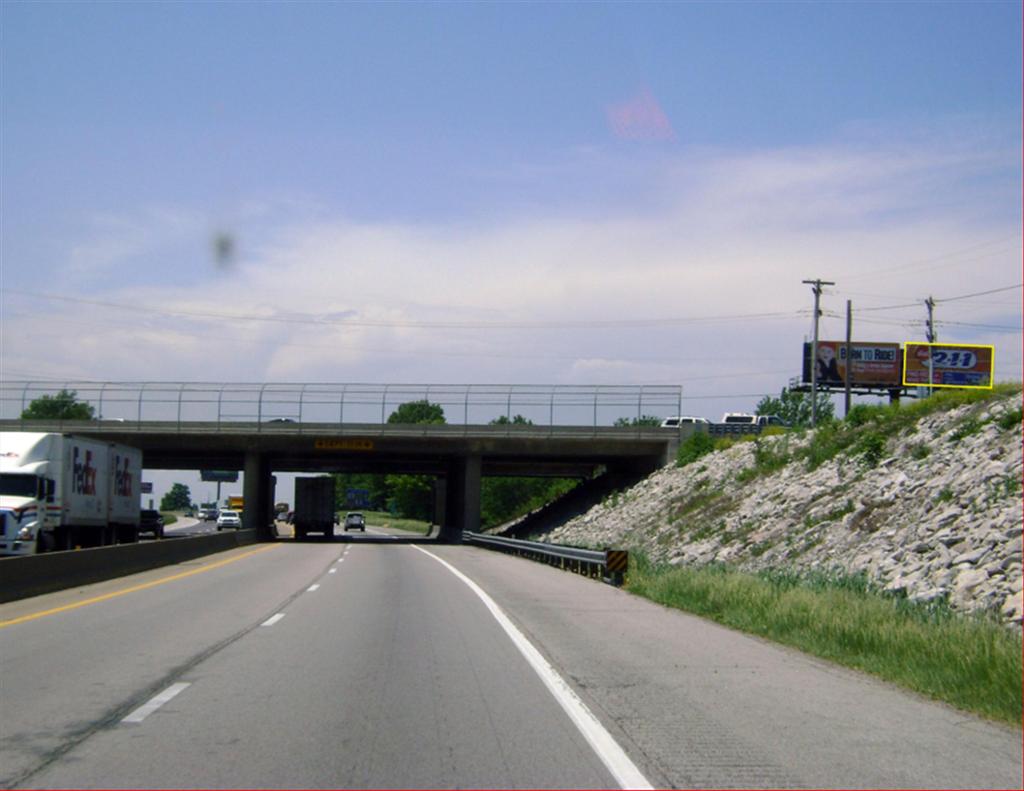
<point x="314" y="506"/>
<point x="684" y="420"/>
<point x="62" y="492"/>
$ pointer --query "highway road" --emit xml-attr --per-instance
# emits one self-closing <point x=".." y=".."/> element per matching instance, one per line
<point x="326" y="665"/>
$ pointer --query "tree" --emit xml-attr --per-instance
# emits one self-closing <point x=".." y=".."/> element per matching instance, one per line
<point x="795" y="407"/>
<point x="177" y="499"/>
<point x="417" y="412"/>
<point x="413" y="495"/>
<point x="518" y="420"/>
<point x="373" y="483"/>
<point x="63" y="406"/>
<point x="502" y="499"/>
<point x="634" y="422"/>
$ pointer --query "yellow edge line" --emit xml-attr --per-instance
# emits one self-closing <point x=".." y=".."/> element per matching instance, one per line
<point x="104" y="597"/>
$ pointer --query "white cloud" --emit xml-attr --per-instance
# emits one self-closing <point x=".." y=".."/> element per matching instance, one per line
<point x="735" y="233"/>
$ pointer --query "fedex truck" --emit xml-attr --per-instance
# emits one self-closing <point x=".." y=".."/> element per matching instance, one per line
<point x="60" y="492"/>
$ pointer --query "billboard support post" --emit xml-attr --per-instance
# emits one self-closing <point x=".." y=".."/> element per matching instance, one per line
<point x="930" y="304"/>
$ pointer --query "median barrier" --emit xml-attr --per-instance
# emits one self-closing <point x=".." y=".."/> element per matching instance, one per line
<point x="33" y="575"/>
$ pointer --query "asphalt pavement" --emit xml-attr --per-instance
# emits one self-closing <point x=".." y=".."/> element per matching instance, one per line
<point x="329" y="664"/>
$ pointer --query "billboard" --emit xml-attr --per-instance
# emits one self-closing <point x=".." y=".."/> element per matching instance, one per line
<point x="873" y="364"/>
<point x="218" y="476"/>
<point x="948" y="365"/>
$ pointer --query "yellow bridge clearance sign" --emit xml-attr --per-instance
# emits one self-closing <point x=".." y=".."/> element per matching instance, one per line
<point x="343" y="444"/>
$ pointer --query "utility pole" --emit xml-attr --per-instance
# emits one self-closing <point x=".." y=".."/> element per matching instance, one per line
<point x="817" y="284"/>
<point x="849" y="356"/>
<point x="930" y="304"/>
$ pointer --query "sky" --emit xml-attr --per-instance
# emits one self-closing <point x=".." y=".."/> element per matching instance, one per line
<point x="558" y="193"/>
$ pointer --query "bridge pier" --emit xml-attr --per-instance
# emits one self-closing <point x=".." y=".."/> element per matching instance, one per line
<point x="258" y="493"/>
<point x="461" y="499"/>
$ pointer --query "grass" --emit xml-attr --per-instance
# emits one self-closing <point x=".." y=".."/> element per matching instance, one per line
<point x="865" y="428"/>
<point x="971" y="663"/>
<point x="384" y="519"/>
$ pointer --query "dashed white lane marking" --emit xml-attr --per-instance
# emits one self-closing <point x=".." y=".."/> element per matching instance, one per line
<point x="331" y="571"/>
<point x="608" y="750"/>
<point x="312" y="588"/>
<point x="146" y="709"/>
<point x="273" y="619"/>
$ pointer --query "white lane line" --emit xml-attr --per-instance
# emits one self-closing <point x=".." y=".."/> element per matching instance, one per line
<point x="146" y="709"/>
<point x="331" y="571"/>
<point x="608" y="750"/>
<point x="312" y="588"/>
<point x="273" y="619"/>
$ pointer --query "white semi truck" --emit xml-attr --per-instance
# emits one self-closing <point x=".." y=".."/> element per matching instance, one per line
<point x="60" y="492"/>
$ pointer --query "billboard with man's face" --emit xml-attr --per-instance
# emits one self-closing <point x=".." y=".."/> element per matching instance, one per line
<point x="873" y="364"/>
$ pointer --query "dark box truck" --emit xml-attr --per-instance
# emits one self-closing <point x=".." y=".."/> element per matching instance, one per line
<point x="314" y="506"/>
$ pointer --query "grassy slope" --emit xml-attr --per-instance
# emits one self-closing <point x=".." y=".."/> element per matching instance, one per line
<point x="971" y="663"/>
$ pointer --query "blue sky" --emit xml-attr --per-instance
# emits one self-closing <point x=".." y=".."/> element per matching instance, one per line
<point x="382" y="167"/>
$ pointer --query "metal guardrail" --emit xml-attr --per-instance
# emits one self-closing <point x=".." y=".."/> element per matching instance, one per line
<point x="728" y="429"/>
<point x="336" y="404"/>
<point x="607" y="564"/>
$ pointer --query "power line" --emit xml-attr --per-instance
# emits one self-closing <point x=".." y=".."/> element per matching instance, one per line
<point x="996" y="327"/>
<point x="937" y="301"/>
<point x="309" y="319"/>
<point x="982" y="293"/>
<point x="929" y="262"/>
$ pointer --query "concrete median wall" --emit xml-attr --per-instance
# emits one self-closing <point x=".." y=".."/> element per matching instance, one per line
<point x="37" y="574"/>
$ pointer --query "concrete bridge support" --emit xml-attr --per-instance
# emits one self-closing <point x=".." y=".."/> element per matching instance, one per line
<point x="258" y="492"/>
<point x="462" y="499"/>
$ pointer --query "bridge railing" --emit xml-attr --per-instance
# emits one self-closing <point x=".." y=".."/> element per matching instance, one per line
<point x="353" y="403"/>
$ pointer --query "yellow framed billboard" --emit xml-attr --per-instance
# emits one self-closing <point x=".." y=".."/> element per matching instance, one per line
<point x="948" y="365"/>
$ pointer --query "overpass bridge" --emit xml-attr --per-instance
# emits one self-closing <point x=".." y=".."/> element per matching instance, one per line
<point x="262" y="429"/>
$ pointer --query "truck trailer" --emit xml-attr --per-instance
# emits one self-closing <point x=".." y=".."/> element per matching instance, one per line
<point x="61" y="492"/>
<point x="314" y="506"/>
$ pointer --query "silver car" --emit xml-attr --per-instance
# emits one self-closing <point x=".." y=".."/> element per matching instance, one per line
<point x="355" y="521"/>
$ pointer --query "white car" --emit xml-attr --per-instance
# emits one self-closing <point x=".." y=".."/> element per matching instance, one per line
<point x="229" y="519"/>
<point x="684" y="420"/>
<point x="743" y="418"/>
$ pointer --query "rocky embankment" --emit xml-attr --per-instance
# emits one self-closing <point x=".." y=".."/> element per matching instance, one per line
<point x="931" y="508"/>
